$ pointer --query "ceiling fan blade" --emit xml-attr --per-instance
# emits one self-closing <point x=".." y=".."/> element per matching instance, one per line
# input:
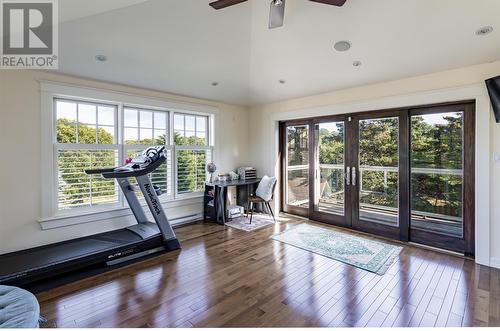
<point x="225" y="3"/>
<point x="277" y="14"/>
<point x="338" y="3"/>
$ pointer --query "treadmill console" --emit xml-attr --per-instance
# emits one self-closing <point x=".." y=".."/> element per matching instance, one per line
<point x="143" y="163"/>
<point x="144" y="159"/>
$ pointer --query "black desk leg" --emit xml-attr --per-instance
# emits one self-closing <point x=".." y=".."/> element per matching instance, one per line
<point x="248" y="199"/>
<point x="222" y="199"/>
<point x="217" y="203"/>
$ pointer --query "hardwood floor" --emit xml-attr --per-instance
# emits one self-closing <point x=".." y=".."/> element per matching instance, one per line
<point x="224" y="277"/>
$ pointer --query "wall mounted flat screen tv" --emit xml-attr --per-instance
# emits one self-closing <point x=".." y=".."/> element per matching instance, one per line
<point x="493" y="85"/>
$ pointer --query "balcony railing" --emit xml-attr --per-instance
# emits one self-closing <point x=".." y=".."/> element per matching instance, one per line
<point x="335" y="204"/>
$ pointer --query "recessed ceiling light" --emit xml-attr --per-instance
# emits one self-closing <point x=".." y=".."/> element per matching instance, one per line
<point x="282" y="81"/>
<point x="357" y="63"/>
<point x="342" y="46"/>
<point x="101" y="58"/>
<point x="484" y="30"/>
<point x="215" y="83"/>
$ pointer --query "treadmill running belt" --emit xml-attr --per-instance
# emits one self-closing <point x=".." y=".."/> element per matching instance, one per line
<point x="51" y="255"/>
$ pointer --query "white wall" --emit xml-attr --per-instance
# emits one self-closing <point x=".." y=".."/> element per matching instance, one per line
<point x="466" y="82"/>
<point x="20" y="148"/>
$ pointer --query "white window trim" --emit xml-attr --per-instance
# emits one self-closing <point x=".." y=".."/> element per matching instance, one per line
<point x="49" y="91"/>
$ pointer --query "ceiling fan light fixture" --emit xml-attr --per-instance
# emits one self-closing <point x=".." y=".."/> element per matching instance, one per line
<point x="276" y="14"/>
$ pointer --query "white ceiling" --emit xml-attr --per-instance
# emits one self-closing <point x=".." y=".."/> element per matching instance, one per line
<point x="181" y="46"/>
<point x="73" y="9"/>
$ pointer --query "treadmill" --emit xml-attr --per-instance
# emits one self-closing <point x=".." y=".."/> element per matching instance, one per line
<point x="45" y="267"/>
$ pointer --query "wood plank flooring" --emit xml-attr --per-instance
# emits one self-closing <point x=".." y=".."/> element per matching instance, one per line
<point x="224" y="277"/>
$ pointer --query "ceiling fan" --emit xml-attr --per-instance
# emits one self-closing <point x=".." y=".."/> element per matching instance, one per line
<point x="277" y="13"/>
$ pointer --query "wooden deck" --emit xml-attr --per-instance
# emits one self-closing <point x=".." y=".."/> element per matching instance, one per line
<point x="223" y="277"/>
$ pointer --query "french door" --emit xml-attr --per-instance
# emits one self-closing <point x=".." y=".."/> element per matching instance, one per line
<point x="379" y="154"/>
<point x="331" y="177"/>
<point x="405" y="174"/>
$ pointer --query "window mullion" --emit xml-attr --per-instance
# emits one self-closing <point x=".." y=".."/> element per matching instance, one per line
<point x="77" y="123"/>
<point x="138" y="125"/>
<point x="96" y="124"/>
<point x="120" y="137"/>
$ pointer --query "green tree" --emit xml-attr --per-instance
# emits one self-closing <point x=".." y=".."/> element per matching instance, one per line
<point x="190" y="164"/>
<point x="433" y="145"/>
<point x="331" y="146"/>
<point x="379" y="147"/>
<point x="75" y="187"/>
<point x="331" y="152"/>
<point x="437" y="146"/>
<point x="298" y="148"/>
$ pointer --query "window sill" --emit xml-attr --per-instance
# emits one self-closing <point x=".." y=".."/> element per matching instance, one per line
<point x="65" y="220"/>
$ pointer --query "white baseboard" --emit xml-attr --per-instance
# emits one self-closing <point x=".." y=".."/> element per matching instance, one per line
<point x="186" y="219"/>
<point x="495" y="262"/>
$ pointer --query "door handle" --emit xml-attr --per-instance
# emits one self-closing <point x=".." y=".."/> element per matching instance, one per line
<point x="353" y="176"/>
<point x="348" y="176"/>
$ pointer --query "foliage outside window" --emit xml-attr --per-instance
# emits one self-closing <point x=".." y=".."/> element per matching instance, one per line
<point x="436" y="162"/>
<point x="378" y="161"/>
<point x="298" y="165"/>
<point x="86" y="136"/>
<point x="331" y="166"/>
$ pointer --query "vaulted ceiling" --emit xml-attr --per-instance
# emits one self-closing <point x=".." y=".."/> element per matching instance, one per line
<point x="183" y="46"/>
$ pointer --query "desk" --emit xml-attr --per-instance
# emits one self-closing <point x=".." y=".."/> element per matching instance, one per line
<point x="219" y="189"/>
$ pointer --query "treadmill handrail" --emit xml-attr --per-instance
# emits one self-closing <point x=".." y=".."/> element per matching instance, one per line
<point x="98" y="171"/>
<point x="133" y="172"/>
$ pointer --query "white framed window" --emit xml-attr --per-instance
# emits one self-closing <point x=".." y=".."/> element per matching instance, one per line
<point x="192" y="152"/>
<point x="91" y="129"/>
<point x="85" y="139"/>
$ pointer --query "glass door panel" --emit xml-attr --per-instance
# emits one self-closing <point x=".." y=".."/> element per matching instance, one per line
<point x="297" y="166"/>
<point x="378" y="171"/>
<point x="330" y="168"/>
<point x="437" y="142"/>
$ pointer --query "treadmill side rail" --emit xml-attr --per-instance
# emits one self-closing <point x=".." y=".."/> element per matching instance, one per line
<point x="156" y="208"/>
<point x="132" y="200"/>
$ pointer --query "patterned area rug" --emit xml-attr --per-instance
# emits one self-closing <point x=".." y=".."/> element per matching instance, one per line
<point x="367" y="254"/>
<point x="243" y="223"/>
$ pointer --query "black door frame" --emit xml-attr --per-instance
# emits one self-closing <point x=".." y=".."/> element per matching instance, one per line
<point x="403" y="232"/>
<point x="466" y="244"/>
<point x="333" y="219"/>
<point x="285" y="207"/>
